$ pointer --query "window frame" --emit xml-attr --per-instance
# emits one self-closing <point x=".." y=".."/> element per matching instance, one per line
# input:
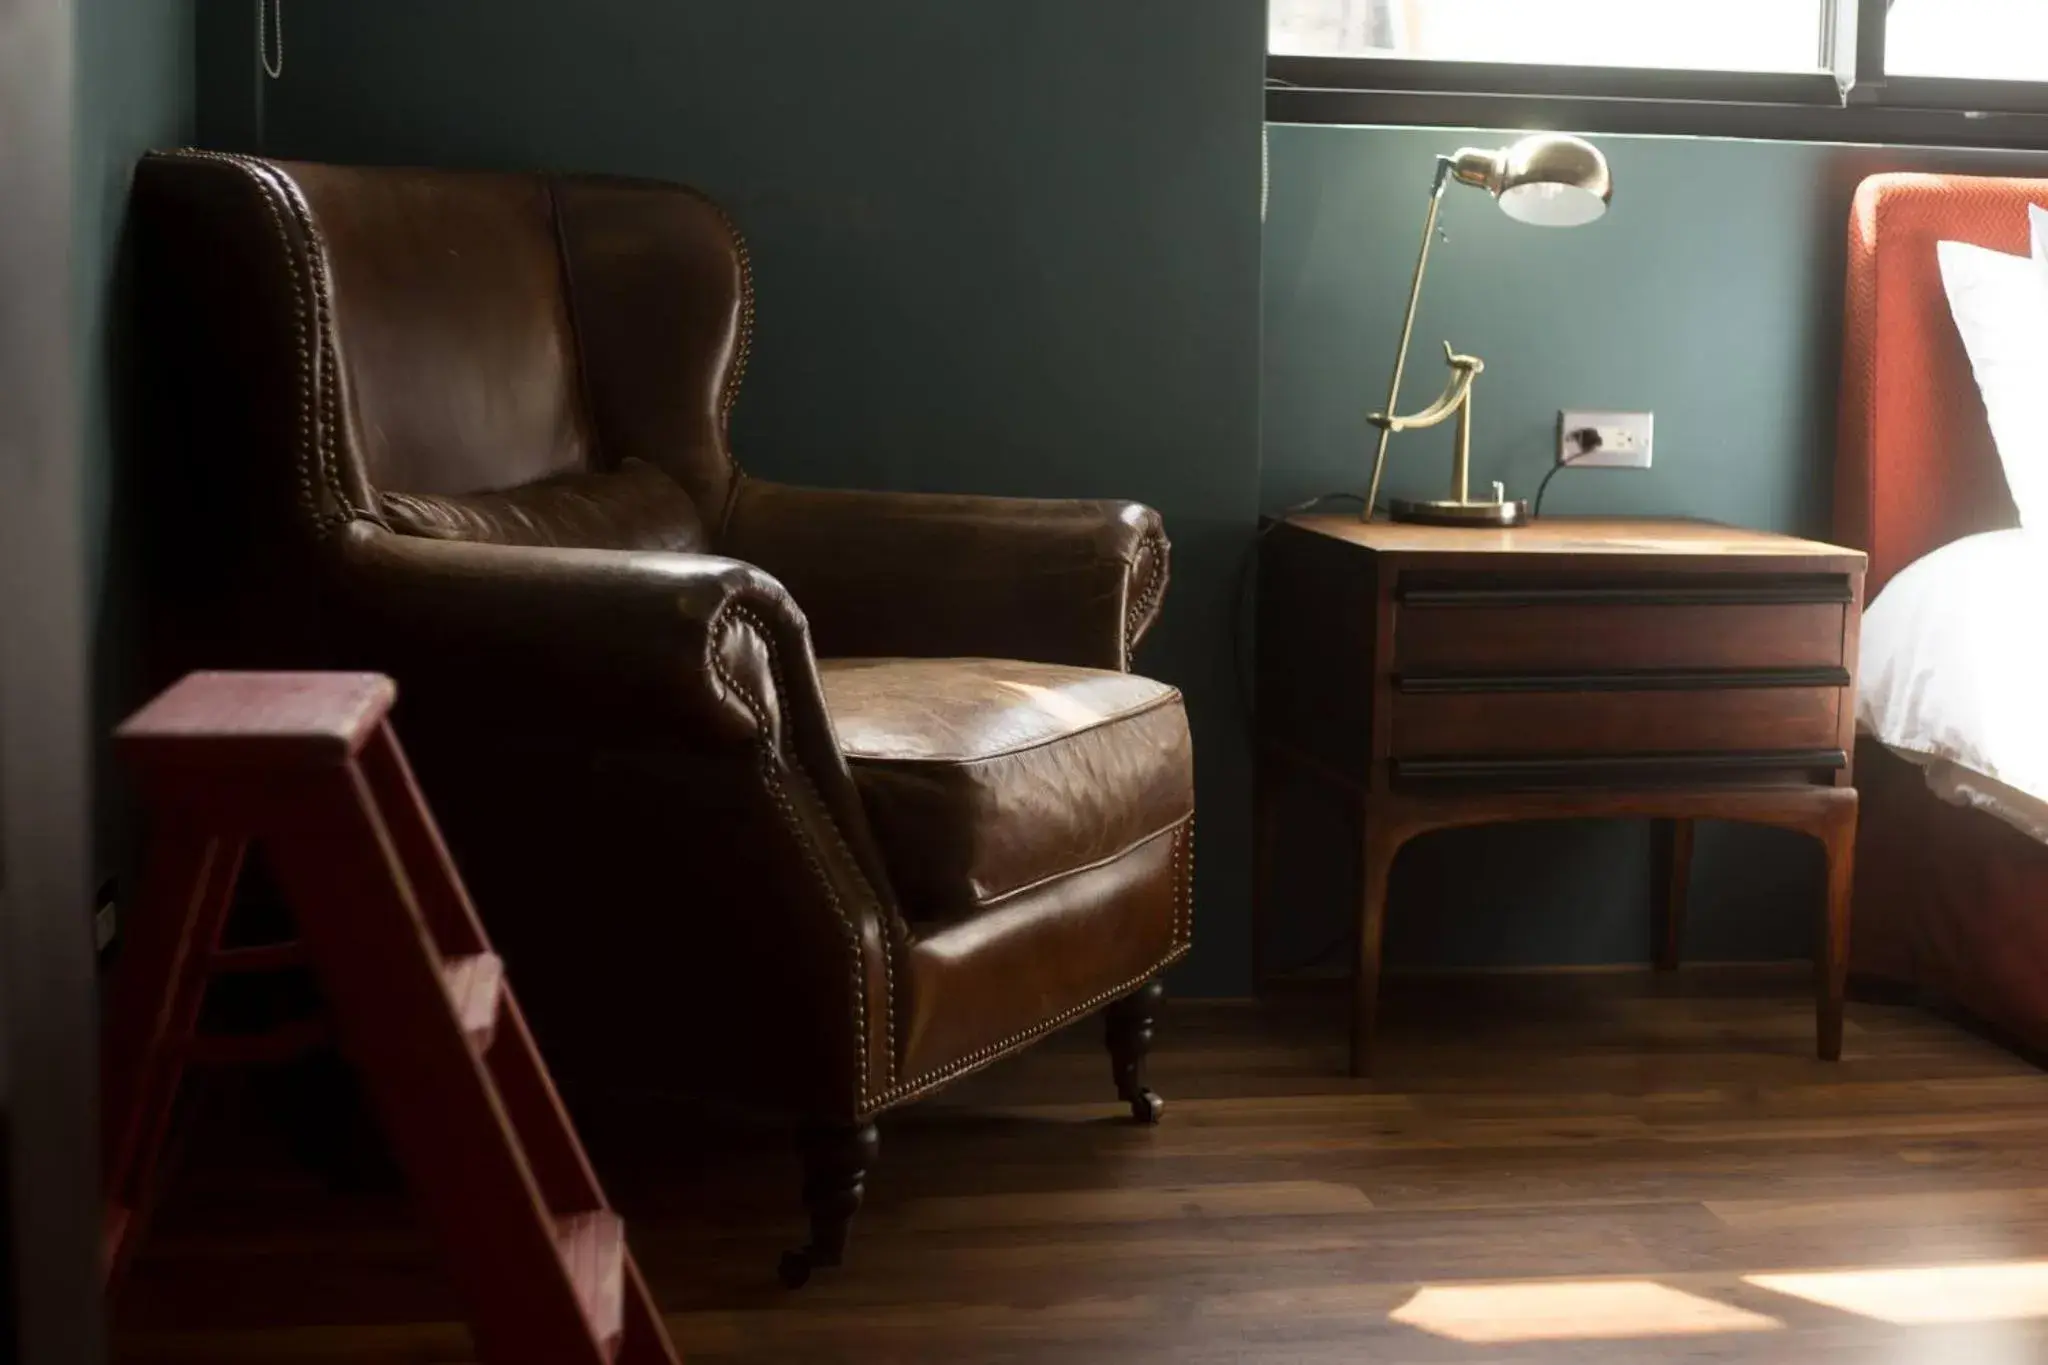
<point x="1851" y="99"/>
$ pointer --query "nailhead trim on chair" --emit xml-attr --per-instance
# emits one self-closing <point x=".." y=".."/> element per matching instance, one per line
<point x="743" y="343"/>
<point x="1182" y="930"/>
<point x="318" y="465"/>
<point x="329" y="458"/>
<point x="743" y="346"/>
<point x="266" y="196"/>
<point x="771" y="779"/>
<point x="1146" y="603"/>
<point x="891" y="923"/>
<point x="1183" y="863"/>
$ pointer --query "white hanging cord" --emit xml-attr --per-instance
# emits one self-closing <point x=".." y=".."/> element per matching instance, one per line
<point x="270" y="36"/>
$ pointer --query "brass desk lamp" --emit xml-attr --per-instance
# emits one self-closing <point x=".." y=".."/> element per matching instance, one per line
<point x="1549" y="179"/>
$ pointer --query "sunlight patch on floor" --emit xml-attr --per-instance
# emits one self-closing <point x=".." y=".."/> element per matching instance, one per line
<point x="2007" y="1291"/>
<point x="1571" y="1310"/>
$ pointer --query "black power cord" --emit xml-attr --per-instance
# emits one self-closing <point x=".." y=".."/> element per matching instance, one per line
<point x="1242" y="591"/>
<point x="1589" y="441"/>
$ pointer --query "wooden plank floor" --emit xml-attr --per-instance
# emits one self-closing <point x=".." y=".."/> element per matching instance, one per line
<point x="1572" y="1168"/>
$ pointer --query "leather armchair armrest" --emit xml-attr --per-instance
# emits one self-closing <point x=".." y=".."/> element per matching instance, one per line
<point x="690" y="650"/>
<point x="692" y="663"/>
<point x="921" y="574"/>
<point x="633" y="652"/>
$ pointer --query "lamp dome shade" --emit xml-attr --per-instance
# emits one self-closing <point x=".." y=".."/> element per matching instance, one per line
<point x="1554" y="181"/>
<point x="1549" y="179"/>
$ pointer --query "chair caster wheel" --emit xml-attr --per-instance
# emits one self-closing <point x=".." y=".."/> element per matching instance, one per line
<point x="795" y="1269"/>
<point x="1147" y="1108"/>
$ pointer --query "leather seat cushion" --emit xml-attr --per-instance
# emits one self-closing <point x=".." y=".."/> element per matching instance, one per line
<point x="983" y="778"/>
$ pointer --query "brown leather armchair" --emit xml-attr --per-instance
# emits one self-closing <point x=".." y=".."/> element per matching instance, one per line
<point x="470" y="430"/>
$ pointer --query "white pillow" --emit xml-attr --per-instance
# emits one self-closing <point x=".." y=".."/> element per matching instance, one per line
<point x="1954" y="673"/>
<point x="2000" y="304"/>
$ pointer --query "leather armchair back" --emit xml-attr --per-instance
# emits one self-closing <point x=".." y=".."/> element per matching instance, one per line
<point x="450" y="328"/>
<point x="449" y="332"/>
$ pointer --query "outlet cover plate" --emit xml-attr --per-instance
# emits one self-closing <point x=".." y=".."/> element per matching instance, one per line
<point x="1593" y="439"/>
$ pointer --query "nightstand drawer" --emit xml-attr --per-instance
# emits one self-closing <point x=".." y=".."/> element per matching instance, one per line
<point x="1664" y="720"/>
<point x="1545" y="637"/>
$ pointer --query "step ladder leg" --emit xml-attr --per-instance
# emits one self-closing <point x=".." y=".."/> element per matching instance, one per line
<point x="532" y="1103"/>
<point x="646" y="1340"/>
<point x="559" y="1161"/>
<point x="172" y="930"/>
<point x="536" y="1109"/>
<point x="452" y="919"/>
<point x="339" y="863"/>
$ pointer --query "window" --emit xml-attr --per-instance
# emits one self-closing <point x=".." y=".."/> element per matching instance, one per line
<point x="2000" y="40"/>
<point x="1957" y="72"/>
<point x="1733" y="35"/>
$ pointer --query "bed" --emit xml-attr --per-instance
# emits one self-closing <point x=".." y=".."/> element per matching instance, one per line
<point x="1950" y="899"/>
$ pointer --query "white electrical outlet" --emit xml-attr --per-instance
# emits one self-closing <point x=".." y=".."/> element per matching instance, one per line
<point x="1604" y="440"/>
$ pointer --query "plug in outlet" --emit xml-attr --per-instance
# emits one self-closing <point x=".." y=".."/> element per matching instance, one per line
<point x="1604" y="440"/>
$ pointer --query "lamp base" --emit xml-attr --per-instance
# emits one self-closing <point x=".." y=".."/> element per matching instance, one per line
<point x="1453" y="513"/>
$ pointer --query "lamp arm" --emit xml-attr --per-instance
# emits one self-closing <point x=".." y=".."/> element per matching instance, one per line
<point x="1444" y="168"/>
<point x="1456" y="390"/>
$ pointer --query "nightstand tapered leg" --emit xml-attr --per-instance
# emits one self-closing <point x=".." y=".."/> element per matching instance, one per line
<point x="1671" y="879"/>
<point x="1265" y="819"/>
<point x="1380" y="843"/>
<point x="1831" y="960"/>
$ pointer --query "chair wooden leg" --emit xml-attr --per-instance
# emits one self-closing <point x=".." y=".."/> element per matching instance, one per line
<point x="1129" y="1034"/>
<point x="836" y="1162"/>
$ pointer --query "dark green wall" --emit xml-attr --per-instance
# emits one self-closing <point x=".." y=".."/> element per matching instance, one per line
<point x="1710" y="294"/>
<point x="134" y="91"/>
<point x="1015" y="249"/>
<point x="1010" y="248"/>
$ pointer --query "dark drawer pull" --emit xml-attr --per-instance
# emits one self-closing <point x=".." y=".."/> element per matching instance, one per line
<point x="1604" y="767"/>
<point x="1647" y="680"/>
<point x="1723" y="595"/>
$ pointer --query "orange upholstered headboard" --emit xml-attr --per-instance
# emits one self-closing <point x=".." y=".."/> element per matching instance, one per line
<point x="1915" y="467"/>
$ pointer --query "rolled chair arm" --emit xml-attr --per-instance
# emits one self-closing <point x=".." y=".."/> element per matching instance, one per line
<point x="921" y="574"/>
<point x="691" y="650"/>
<point x="659" y="658"/>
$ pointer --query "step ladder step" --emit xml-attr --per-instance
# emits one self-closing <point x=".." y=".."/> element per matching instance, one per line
<point x="287" y="1041"/>
<point x="475" y="985"/>
<point x="262" y="958"/>
<point x="593" y="1247"/>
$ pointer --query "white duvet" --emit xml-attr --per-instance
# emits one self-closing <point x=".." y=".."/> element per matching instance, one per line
<point x="1954" y="673"/>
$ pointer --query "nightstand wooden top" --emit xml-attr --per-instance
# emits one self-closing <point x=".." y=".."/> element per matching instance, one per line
<point x="1705" y="545"/>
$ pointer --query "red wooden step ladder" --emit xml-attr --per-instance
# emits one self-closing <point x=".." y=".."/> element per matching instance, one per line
<point x="306" y="765"/>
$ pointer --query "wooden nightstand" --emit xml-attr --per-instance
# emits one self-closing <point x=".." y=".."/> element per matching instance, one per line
<point x="1577" y="667"/>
